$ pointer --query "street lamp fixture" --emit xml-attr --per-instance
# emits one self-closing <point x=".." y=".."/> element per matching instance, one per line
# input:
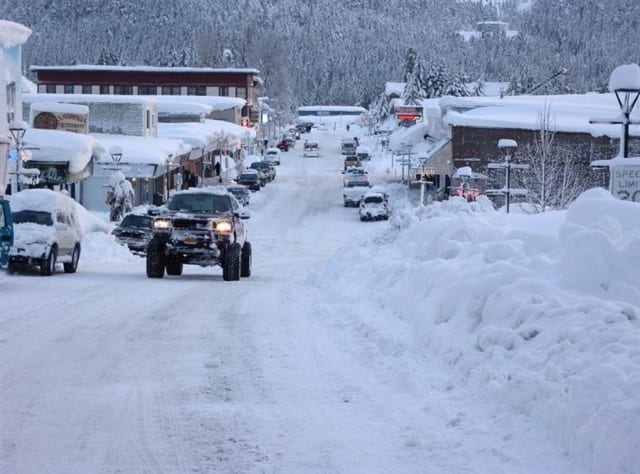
<point x="625" y="84"/>
<point x="17" y="129"/>
<point x="116" y="154"/>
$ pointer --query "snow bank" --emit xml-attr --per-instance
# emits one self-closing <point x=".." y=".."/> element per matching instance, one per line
<point x="537" y="314"/>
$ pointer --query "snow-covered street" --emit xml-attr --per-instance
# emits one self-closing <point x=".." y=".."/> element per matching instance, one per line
<point x="353" y="348"/>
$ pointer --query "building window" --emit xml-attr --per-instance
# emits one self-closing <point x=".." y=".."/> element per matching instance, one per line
<point x="241" y="92"/>
<point x="86" y="89"/>
<point x="170" y="90"/>
<point x="147" y="90"/>
<point x="51" y="88"/>
<point x="123" y="90"/>
<point x="196" y="90"/>
<point x="68" y="88"/>
<point x="104" y="90"/>
<point x="11" y="102"/>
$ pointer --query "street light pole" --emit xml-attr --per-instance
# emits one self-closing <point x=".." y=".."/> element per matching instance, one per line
<point x="18" y="128"/>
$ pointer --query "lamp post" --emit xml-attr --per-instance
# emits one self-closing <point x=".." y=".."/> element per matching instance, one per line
<point x="17" y="129"/>
<point x="625" y="84"/>
<point x="508" y="148"/>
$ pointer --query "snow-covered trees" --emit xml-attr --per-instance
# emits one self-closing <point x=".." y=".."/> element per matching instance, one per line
<point x="553" y="179"/>
<point x="339" y="52"/>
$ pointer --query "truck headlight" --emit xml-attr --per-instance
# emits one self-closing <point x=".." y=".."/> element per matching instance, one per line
<point x="162" y="224"/>
<point x="222" y="227"/>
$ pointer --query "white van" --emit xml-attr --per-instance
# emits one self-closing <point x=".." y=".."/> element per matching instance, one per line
<point x="46" y="231"/>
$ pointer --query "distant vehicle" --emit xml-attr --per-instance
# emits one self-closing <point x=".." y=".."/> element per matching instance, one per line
<point x="282" y="145"/>
<point x="295" y="132"/>
<point x="289" y="139"/>
<point x="272" y="155"/>
<point x="251" y="179"/>
<point x="266" y="168"/>
<point x="363" y="152"/>
<point x="374" y="206"/>
<point x="352" y="193"/>
<point x="304" y="127"/>
<point x="354" y="171"/>
<point x="348" y="146"/>
<point x="241" y="192"/>
<point x="134" y="231"/>
<point x="47" y="231"/>
<point x="310" y="149"/>
<point x="200" y="226"/>
<point x="352" y="160"/>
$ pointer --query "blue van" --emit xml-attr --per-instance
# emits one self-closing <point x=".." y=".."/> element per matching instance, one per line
<point x="6" y="232"/>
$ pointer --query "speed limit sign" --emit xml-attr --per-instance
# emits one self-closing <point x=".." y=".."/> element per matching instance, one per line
<point x="625" y="182"/>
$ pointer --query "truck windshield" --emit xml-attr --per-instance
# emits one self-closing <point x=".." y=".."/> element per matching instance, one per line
<point x="200" y="202"/>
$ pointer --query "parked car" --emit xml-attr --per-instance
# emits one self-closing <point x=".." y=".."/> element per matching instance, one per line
<point x="265" y="167"/>
<point x="363" y="152"/>
<point x="374" y="205"/>
<point x="310" y="149"/>
<point x="352" y="193"/>
<point x="242" y="193"/>
<point x="272" y="155"/>
<point x="46" y="231"/>
<point x="134" y="231"/>
<point x="251" y="179"/>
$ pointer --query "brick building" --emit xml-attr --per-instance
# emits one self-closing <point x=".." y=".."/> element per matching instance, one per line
<point x="147" y="80"/>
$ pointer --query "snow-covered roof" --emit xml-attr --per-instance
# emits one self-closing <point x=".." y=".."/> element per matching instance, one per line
<point x="568" y="113"/>
<point x="142" y="150"/>
<point x="213" y="101"/>
<point x="28" y="87"/>
<point x="88" y="98"/>
<point x="183" y="108"/>
<point x="189" y="132"/>
<point x="343" y="108"/>
<point x="94" y="67"/>
<point x="58" y="107"/>
<point x="62" y="146"/>
<point x="13" y="34"/>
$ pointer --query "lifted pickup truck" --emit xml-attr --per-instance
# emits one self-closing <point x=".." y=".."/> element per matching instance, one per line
<point x="200" y="226"/>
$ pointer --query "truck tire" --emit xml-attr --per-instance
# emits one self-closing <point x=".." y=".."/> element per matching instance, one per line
<point x="48" y="265"/>
<point x="155" y="259"/>
<point x="174" y="266"/>
<point x="245" y="261"/>
<point x="231" y="263"/>
<point x="72" y="266"/>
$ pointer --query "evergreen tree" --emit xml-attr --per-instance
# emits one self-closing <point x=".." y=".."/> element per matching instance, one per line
<point x="410" y="60"/>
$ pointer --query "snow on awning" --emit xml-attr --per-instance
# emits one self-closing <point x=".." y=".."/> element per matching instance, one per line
<point x="143" y="150"/>
<point x="60" y="146"/>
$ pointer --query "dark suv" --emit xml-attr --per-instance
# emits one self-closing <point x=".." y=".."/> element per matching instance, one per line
<point x="134" y="231"/>
<point x="200" y="226"/>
